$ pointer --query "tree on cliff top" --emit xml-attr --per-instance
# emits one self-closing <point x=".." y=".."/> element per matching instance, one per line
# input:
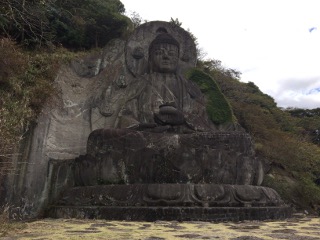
<point x="74" y="24"/>
<point x="87" y="23"/>
<point x="25" y="21"/>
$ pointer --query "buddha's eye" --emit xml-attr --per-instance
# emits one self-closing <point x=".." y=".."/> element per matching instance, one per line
<point x="158" y="52"/>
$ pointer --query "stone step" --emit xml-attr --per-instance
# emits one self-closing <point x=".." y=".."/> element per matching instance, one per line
<point x="215" y="214"/>
<point x="204" y="195"/>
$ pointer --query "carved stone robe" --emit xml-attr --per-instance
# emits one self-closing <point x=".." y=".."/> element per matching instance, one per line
<point x="152" y="90"/>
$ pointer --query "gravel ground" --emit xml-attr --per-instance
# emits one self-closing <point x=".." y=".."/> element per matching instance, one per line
<point x="297" y="228"/>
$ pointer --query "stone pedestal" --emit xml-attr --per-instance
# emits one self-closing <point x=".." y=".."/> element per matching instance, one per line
<point x="132" y="175"/>
<point x="150" y="202"/>
<point x="124" y="156"/>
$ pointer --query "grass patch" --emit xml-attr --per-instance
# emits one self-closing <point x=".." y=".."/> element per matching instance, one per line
<point x="7" y="226"/>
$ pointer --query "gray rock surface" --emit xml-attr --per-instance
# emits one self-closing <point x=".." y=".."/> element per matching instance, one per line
<point x="62" y="129"/>
<point x="127" y="156"/>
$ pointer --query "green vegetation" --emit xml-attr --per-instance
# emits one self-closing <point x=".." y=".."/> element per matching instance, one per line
<point x="281" y="137"/>
<point x="6" y="225"/>
<point x="26" y="85"/>
<point x="308" y="122"/>
<point x="87" y="23"/>
<point x="218" y="108"/>
<point x="74" y="24"/>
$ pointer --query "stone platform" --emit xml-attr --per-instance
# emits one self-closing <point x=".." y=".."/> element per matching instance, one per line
<point x="124" y="156"/>
<point x="150" y="202"/>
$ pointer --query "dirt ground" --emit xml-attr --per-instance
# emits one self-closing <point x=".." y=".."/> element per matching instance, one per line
<point x="297" y="228"/>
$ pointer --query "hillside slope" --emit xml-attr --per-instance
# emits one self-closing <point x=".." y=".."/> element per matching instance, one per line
<point x="291" y="155"/>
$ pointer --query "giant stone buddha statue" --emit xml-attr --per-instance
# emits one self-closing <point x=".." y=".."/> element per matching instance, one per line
<point x="166" y="101"/>
<point x="162" y="149"/>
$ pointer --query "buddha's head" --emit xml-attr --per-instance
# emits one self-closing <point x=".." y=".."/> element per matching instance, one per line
<point x="164" y="54"/>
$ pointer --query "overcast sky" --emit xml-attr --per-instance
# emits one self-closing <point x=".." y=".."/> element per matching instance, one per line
<point x="274" y="43"/>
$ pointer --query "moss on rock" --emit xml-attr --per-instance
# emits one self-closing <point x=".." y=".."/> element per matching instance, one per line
<point x="218" y="108"/>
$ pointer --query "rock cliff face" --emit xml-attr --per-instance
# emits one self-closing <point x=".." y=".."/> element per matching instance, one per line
<point x="62" y="130"/>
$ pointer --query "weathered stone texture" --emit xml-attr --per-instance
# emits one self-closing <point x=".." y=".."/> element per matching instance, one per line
<point x="62" y="130"/>
<point x="126" y="156"/>
<point x="212" y="214"/>
<point x="205" y="195"/>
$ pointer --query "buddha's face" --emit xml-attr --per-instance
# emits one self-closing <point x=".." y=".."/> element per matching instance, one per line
<point x="164" y="58"/>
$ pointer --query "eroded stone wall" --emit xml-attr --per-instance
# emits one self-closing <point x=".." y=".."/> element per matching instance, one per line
<point x="61" y="130"/>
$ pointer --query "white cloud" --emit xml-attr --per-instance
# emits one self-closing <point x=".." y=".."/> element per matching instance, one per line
<point x="293" y="99"/>
<point x="267" y="40"/>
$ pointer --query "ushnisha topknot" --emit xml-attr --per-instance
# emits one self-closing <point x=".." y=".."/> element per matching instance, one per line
<point x="163" y="38"/>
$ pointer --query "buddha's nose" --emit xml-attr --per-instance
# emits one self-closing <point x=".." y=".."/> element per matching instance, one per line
<point x="165" y="56"/>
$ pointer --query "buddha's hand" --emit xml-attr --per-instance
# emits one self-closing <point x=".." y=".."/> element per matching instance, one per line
<point x="169" y="115"/>
<point x="143" y="126"/>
